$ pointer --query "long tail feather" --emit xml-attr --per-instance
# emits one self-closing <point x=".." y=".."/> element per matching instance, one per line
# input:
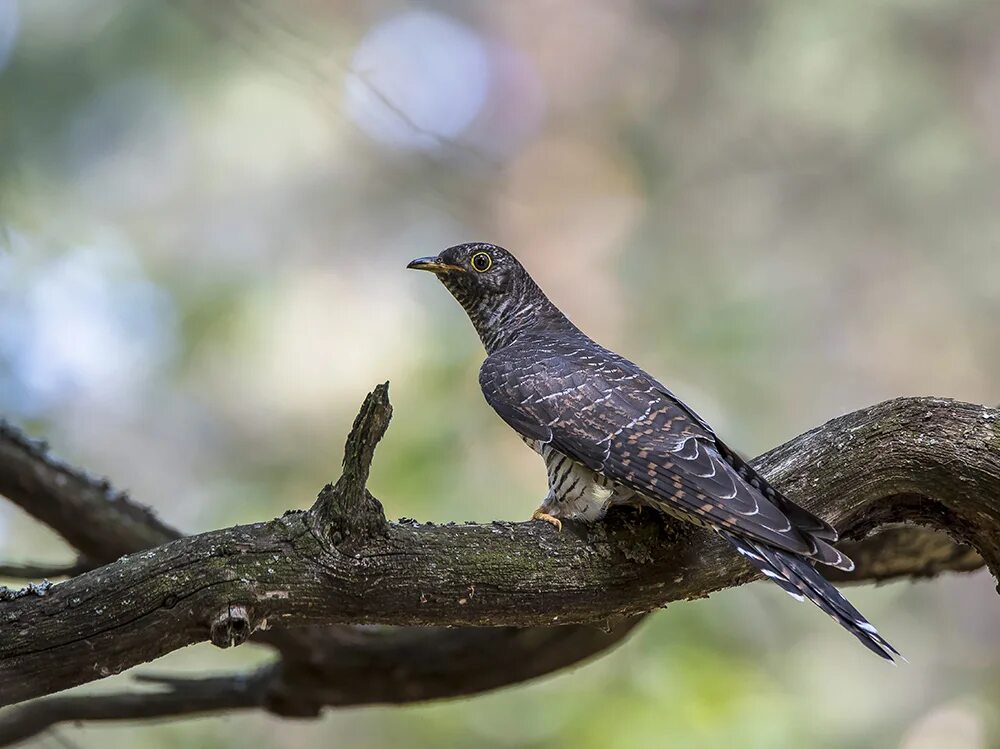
<point x="800" y="579"/>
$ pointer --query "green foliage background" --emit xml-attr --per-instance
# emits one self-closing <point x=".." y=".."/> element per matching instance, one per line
<point x="786" y="210"/>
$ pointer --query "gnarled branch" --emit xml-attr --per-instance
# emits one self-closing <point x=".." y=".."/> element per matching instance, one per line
<point x="928" y="461"/>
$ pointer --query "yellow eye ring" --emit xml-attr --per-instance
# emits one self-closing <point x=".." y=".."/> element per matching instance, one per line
<point x="481" y="262"/>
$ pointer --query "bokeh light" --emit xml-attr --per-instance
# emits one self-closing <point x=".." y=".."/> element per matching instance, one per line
<point x="9" y="23"/>
<point x="418" y="80"/>
<point x="84" y="325"/>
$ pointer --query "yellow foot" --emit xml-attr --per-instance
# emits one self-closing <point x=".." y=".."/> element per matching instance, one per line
<point x="540" y="514"/>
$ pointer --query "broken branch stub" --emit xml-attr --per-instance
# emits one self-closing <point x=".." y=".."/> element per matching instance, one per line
<point x="346" y="513"/>
<point x="231" y="627"/>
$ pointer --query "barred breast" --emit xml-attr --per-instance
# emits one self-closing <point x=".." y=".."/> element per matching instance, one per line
<point x="575" y="491"/>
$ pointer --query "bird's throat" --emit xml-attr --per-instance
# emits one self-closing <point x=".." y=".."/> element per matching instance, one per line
<point x="500" y="319"/>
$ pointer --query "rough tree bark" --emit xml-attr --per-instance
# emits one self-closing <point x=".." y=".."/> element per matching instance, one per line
<point x="932" y="462"/>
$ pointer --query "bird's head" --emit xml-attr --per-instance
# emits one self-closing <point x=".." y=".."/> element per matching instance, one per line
<point x="476" y="270"/>
<point x="496" y="291"/>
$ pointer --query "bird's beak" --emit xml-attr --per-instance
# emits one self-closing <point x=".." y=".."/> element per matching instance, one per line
<point x="434" y="265"/>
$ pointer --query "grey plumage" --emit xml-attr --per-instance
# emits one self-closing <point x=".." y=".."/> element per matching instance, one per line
<point x="612" y="434"/>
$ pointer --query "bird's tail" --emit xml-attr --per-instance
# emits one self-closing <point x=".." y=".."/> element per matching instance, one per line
<point x="800" y="579"/>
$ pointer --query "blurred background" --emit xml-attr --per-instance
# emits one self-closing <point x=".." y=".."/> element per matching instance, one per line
<point x="785" y="210"/>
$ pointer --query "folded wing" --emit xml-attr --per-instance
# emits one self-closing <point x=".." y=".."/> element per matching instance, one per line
<point x="606" y="413"/>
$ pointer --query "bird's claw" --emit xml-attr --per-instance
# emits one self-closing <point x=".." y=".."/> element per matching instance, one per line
<point x="540" y="514"/>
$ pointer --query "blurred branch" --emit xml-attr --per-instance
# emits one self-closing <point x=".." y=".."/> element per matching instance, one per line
<point x="365" y="668"/>
<point x="187" y="697"/>
<point x="928" y="461"/>
<point x="35" y="571"/>
<point x="96" y="519"/>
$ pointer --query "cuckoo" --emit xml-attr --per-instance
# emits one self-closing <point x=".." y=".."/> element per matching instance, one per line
<point x="611" y="434"/>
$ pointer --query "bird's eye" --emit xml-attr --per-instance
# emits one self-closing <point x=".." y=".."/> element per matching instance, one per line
<point x="482" y="262"/>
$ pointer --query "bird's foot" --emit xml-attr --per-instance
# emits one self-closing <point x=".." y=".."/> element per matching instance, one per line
<point x="540" y="514"/>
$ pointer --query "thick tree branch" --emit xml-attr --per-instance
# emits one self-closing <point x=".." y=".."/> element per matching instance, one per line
<point x="924" y="460"/>
<point x="441" y="662"/>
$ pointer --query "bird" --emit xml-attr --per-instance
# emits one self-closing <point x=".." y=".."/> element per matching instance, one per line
<point x="611" y="434"/>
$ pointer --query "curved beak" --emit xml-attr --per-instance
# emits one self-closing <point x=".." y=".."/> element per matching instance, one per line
<point x="434" y="265"/>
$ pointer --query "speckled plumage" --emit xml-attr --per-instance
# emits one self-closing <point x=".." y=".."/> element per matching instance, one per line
<point x="612" y="434"/>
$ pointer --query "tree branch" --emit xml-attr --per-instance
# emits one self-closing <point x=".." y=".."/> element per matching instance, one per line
<point x="340" y="654"/>
<point x="360" y="668"/>
<point x="930" y="461"/>
<point x="97" y="520"/>
<point x="184" y="697"/>
<point x="31" y="571"/>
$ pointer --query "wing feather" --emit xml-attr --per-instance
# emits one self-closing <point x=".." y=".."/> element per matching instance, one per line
<point x="603" y="411"/>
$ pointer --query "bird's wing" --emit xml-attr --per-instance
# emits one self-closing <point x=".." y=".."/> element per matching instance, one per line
<point x="606" y="413"/>
<point x="563" y="396"/>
